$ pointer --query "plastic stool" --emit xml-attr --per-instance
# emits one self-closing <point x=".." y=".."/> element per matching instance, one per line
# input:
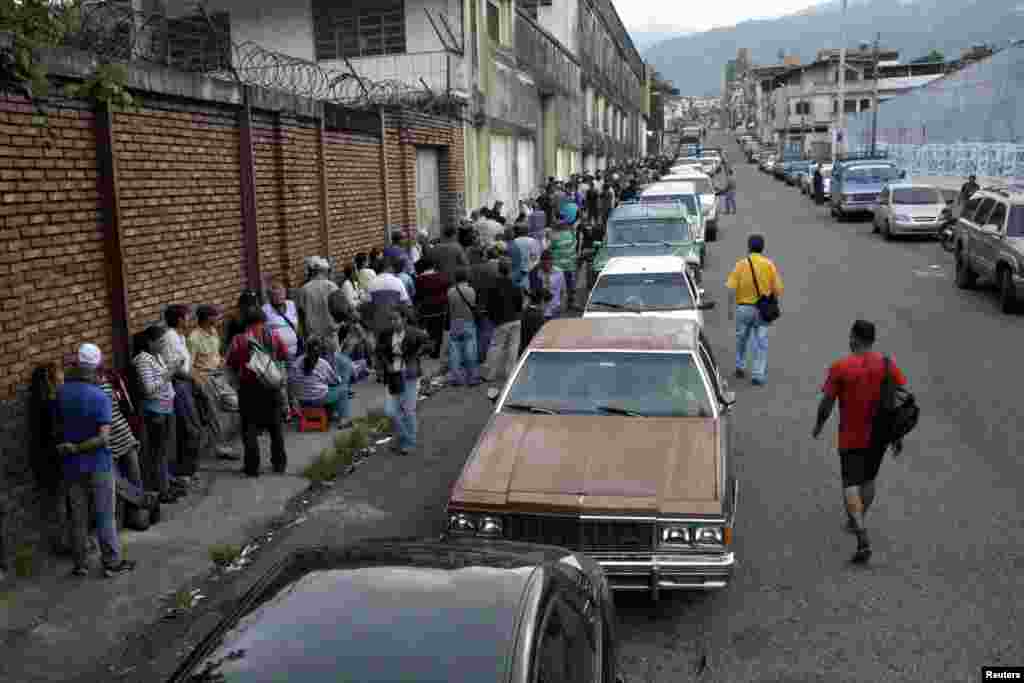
<point x="313" y="419"/>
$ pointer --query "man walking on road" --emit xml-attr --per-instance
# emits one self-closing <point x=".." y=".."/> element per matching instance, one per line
<point x="730" y="192"/>
<point x="753" y="277"/>
<point x="856" y="382"/>
<point x="969" y="188"/>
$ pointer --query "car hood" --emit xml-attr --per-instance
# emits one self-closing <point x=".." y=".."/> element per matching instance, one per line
<point x="685" y="314"/>
<point x="594" y="464"/>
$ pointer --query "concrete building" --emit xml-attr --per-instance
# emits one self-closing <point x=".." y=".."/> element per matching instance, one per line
<point x="547" y="88"/>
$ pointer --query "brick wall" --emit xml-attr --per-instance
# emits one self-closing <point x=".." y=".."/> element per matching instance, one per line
<point x="179" y="186"/>
<point x="178" y="182"/>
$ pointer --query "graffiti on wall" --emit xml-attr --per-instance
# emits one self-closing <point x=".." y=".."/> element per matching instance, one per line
<point x="960" y="160"/>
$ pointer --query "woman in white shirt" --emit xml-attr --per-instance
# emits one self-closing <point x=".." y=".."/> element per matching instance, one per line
<point x="355" y="294"/>
<point x="283" y="318"/>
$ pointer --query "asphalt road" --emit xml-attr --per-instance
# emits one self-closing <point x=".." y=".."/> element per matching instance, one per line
<point x="940" y="598"/>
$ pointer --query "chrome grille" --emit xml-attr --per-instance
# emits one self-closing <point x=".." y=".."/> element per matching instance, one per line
<point x="930" y="219"/>
<point x="579" y="534"/>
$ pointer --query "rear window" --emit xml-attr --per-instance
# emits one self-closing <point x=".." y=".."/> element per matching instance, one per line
<point x="916" y="195"/>
<point x="648" y="231"/>
<point x="688" y="200"/>
<point x="642" y="291"/>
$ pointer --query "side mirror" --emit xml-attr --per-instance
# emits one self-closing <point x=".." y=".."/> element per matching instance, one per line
<point x="706" y="306"/>
<point x="493" y="394"/>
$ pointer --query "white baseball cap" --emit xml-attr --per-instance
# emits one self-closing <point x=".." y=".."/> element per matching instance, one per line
<point x="89" y="356"/>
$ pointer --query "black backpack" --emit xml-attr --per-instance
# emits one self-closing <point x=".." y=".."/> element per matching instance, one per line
<point x="897" y="412"/>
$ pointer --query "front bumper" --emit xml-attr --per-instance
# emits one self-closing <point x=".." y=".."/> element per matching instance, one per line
<point x="856" y="207"/>
<point x="628" y="572"/>
<point x="930" y="228"/>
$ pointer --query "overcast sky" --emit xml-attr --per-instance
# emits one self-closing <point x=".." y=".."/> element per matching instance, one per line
<point x="675" y="15"/>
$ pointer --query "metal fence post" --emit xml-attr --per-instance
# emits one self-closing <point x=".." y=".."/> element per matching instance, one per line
<point x="113" y="245"/>
<point x="247" y="170"/>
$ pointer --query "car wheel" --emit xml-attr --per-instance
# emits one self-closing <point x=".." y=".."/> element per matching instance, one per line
<point x="888" y="232"/>
<point x="965" y="279"/>
<point x="1007" y="295"/>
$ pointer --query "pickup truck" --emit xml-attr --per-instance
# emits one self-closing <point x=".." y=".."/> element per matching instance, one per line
<point x="990" y="243"/>
<point x="856" y="185"/>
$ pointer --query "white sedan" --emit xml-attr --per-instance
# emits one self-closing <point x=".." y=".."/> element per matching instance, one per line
<point x="659" y="286"/>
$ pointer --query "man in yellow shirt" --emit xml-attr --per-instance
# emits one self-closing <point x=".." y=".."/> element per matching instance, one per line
<point x="743" y="296"/>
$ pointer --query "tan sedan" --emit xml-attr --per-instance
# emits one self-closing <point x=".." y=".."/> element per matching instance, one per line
<point x="612" y="438"/>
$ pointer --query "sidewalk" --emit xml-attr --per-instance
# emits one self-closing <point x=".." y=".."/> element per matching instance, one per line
<point x="52" y="623"/>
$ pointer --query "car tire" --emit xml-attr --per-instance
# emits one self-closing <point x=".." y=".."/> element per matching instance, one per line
<point x="965" y="278"/>
<point x="711" y="234"/>
<point x="1007" y="293"/>
<point x="888" y="232"/>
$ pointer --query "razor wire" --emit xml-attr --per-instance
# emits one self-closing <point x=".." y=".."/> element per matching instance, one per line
<point x="114" y="31"/>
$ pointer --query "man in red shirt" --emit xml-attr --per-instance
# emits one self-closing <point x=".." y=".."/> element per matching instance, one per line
<point x="856" y="381"/>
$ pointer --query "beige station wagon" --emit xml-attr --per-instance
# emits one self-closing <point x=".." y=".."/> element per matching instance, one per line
<point x="612" y="438"/>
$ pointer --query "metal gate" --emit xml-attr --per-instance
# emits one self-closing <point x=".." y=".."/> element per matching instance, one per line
<point x="502" y="179"/>
<point x="526" y="167"/>
<point x="428" y="191"/>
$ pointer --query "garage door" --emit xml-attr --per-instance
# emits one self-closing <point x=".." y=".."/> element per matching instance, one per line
<point x="428" y="191"/>
<point x="526" y="167"/>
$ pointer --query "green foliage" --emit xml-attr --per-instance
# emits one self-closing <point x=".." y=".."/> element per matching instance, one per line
<point x="25" y="561"/>
<point x="34" y="24"/>
<point x="107" y="85"/>
<point x="330" y="464"/>
<point x="223" y="554"/>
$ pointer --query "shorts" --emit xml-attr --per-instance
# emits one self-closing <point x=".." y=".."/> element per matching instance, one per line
<point x="859" y="465"/>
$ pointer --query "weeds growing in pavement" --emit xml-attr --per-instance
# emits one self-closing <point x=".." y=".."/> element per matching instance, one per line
<point x="331" y="463"/>
<point x="359" y="438"/>
<point x="223" y="554"/>
<point x="25" y="561"/>
<point x="183" y="599"/>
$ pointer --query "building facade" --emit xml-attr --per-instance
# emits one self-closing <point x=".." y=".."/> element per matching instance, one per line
<point x="547" y="89"/>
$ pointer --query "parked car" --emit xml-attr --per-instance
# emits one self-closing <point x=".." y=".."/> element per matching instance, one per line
<point x="659" y="286"/>
<point x="807" y="179"/>
<point x="909" y="209"/>
<point x="708" y="196"/>
<point x="990" y="243"/>
<point x="796" y="171"/>
<point x="655" y="226"/>
<point x="613" y="438"/>
<point x="468" y="609"/>
<point x="857" y="183"/>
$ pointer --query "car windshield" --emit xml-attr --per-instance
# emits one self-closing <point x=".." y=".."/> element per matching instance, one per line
<point x="610" y="383"/>
<point x="688" y="200"/>
<point x="642" y="291"/>
<point x="916" y="195"/>
<point x="872" y="174"/>
<point x="1015" y="224"/>
<point x="649" y="231"/>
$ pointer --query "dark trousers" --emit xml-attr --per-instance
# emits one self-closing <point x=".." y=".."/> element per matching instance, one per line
<point x="485" y="333"/>
<point x="260" y="411"/>
<point x="189" y="427"/>
<point x="432" y="317"/>
<point x="156" y="460"/>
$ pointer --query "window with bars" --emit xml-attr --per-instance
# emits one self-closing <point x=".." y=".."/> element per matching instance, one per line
<point x="358" y="28"/>
<point x="532" y="7"/>
<point x="192" y="43"/>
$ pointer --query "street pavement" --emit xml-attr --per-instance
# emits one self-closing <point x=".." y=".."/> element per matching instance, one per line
<point x="940" y="597"/>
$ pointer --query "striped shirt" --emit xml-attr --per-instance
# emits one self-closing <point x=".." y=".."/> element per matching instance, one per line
<point x="156" y="384"/>
<point x="311" y="388"/>
<point x="122" y="439"/>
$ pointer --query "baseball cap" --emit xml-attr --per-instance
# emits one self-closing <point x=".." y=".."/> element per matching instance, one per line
<point x="89" y="356"/>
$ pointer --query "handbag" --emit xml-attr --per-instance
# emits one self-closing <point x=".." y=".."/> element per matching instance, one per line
<point x="767" y="304"/>
<point x="264" y="367"/>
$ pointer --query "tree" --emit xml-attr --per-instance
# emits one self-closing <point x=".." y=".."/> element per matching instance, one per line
<point x="933" y="56"/>
<point x="32" y="25"/>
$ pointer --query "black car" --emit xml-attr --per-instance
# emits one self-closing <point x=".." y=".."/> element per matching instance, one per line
<point x="455" y="610"/>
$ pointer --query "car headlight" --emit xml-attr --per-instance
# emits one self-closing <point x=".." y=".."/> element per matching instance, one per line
<point x="678" y="535"/>
<point x="490" y="526"/>
<point x="462" y="523"/>
<point x="709" y="535"/>
<point x="900" y="218"/>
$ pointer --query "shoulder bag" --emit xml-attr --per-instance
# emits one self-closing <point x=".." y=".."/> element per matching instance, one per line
<point x="264" y="367"/>
<point x="473" y="309"/>
<point x="897" y="412"/>
<point x="767" y="304"/>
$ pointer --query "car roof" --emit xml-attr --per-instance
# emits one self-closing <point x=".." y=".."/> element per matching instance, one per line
<point x="622" y="265"/>
<point x="686" y="172"/>
<point x="380" y="610"/>
<point x="619" y="334"/>
<point x="659" y="211"/>
<point x="910" y="185"/>
<point x="671" y="187"/>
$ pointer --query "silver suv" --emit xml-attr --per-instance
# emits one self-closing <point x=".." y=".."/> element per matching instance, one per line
<point x="990" y="243"/>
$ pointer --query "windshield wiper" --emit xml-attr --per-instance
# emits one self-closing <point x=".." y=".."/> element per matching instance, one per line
<point x="614" y="410"/>
<point x="532" y="408"/>
<point x="609" y="304"/>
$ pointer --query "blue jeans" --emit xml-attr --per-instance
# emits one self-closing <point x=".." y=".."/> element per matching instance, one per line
<point x="343" y="366"/>
<point x="401" y="408"/>
<point x="730" y="201"/>
<point x="463" y="357"/>
<point x="485" y="334"/>
<point x="751" y="330"/>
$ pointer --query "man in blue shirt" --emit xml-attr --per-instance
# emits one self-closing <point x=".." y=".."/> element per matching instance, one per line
<point x="84" y="411"/>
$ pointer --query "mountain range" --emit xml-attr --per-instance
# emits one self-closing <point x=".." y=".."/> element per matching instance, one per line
<point x="696" y="62"/>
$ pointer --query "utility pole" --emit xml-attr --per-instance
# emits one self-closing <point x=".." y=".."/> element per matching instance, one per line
<point x="874" y="104"/>
<point x="836" y="142"/>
